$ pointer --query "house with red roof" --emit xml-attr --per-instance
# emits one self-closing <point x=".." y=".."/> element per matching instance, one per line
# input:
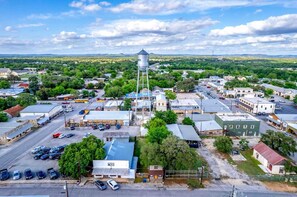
<point x="14" y="111"/>
<point x="270" y="159"/>
<point x="24" y="85"/>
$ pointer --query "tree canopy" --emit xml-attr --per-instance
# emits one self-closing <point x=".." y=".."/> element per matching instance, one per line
<point x="79" y="156"/>
<point x="280" y="142"/>
<point x="169" y="117"/>
<point x="186" y="85"/>
<point x="127" y="104"/>
<point x="188" y="121"/>
<point x="170" y="95"/>
<point x="3" y="117"/>
<point x="157" y="131"/>
<point x="223" y="144"/>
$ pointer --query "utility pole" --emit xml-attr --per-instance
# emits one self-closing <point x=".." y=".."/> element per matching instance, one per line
<point x="201" y="177"/>
<point x="65" y="123"/>
<point x="66" y="188"/>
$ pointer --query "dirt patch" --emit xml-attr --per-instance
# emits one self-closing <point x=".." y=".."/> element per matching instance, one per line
<point x="281" y="187"/>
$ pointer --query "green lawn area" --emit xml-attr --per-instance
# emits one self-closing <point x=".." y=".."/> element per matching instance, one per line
<point x="29" y="75"/>
<point x="138" y="143"/>
<point x="250" y="166"/>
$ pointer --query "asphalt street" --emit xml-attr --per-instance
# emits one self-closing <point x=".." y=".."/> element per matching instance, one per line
<point x="74" y="191"/>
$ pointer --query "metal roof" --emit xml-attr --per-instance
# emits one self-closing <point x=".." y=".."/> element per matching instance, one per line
<point x="184" y="132"/>
<point x="108" y="115"/>
<point x="287" y="117"/>
<point x="118" y="150"/>
<point x="207" y="125"/>
<point x="20" y="130"/>
<point x="142" y="52"/>
<point x="116" y="134"/>
<point x="11" y="91"/>
<point x="236" y="117"/>
<point x="201" y="117"/>
<point x="212" y="106"/>
<point x="270" y="155"/>
<point x="256" y="100"/>
<point x="8" y="126"/>
<point x="41" y="108"/>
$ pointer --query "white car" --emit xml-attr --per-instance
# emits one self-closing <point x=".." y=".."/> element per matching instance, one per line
<point x="36" y="149"/>
<point x="16" y="175"/>
<point x="62" y="136"/>
<point x="87" y="135"/>
<point x="113" y="185"/>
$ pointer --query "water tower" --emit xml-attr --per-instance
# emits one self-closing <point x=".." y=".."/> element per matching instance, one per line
<point x="143" y="80"/>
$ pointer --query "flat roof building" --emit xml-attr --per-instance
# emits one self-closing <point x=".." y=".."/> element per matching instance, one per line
<point x="109" y="117"/>
<point x="113" y="105"/>
<point x="14" y="92"/>
<point x="256" y="105"/>
<point x="212" y="106"/>
<point x="47" y="110"/>
<point x="210" y="127"/>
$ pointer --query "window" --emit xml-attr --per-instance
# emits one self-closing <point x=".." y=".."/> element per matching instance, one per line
<point x="237" y="126"/>
<point x="252" y="126"/>
<point x="230" y="126"/>
<point x="281" y="170"/>
<point x="244" y="126"/>
<point x="257" y="155"/>
<point x="110" y="164"/>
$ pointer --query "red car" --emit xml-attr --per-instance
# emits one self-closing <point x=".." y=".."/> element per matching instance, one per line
<point x="56" y="135"/>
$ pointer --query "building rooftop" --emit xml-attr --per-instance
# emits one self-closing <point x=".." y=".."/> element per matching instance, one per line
<point x="41" y="108"/>
<point x="287" y="117"/>
<point x="187" y="96"/>
<point x="8" y="126"/>
<point x="256" y="100"/>
<point x="250" y="89"/>
<point x="184" y="132"/>
<point x="236" y="117"/>
<point x="117" y="150"/>
<point x="184" y="102"/>
<point x="208" y="125"/>
<point x="116" y="134"/>
<point x="113" y="103"/>
<point x="212" y="106"/>
<point x="201" y="117"/>
<point x="14" y="111"/>
<point x="11" y="91"/>
<point x="270" y="155"/>
<point x="108" y="115"/>
<point x="142" y="52"/>
<point x="160" y="97"/>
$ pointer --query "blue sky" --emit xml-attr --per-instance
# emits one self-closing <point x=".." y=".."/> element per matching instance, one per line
<point x="159" y="26"/>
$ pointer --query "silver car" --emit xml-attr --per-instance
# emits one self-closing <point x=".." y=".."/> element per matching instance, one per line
<point x="16" y="175"/>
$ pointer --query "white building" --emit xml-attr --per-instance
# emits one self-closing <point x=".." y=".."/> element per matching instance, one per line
<point x="108" y="117"/>
<point x="113" y="105"/>
<point x="271" y="161"/>
<point x="283" y="92"/>
<point x="5" y="73"/>
<point x="241" y="92"/>
<point x="161" y="102"/>
<point x="46" y="110"/>
<point x="119" y="162"/>
<point x="256" y="105"/>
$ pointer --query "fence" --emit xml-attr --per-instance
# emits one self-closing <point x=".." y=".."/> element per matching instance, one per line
<point x="285" y="178"/>
<point x="185" y="174"/>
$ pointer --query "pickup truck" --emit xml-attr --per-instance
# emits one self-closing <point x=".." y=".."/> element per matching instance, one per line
<point x="4" y="174"/>
<point x="52" y="173"/>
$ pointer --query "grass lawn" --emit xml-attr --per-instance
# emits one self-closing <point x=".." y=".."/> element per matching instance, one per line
<point x="250" y="166"/>
<point x="138" y="143"/>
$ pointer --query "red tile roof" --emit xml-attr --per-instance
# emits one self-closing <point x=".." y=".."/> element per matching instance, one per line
<point x="24" y="85"/>
<point x="14" y="111"/>
<point x="270" y="155"/>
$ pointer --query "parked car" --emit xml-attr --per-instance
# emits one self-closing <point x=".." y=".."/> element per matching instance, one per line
<point x="54" y="156"/>
<point x="100" y="185"/>
<point x="4" y="174"/>
<point x="72" y="128"/>
<point x="222" y="98"/>
<point x="52" y="173"/>
<point x="44" y="157"/>
<point x="107" y="126"/>
<point x="16" y="175"/>
<point x="101" y="127"/>
<point x="56" y="135"/>
<point x="118" y="126"/>
<point x="37" y="156"/>
<point x="81" y="112"/>
<point x="112" y="184"/>
<point x="40" y="174"/>
<point x="28" y="174"/>
<point x="69" y="135"/>
<point x="94" y="127"/>
<point x="62" y="136"/>
<point x="87" y="135"/>
<point x="37" y="149"/>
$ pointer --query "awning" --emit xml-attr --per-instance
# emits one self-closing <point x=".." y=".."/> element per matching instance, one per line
<point x="273" y="120"/>
<point x="19" y="131"/>
<point x="42" y="120"/>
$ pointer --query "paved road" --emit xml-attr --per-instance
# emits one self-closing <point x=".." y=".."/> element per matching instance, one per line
<point x="12" y="152"/>
<point x="74" y="191"/>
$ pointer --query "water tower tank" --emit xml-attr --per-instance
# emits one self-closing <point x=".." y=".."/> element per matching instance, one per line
<point x="143" y="58"/>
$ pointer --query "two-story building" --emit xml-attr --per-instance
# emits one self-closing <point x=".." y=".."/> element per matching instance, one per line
<point x="238" y="124"/>
<point x="256" y="105"/>
<point x="161" y="102"/>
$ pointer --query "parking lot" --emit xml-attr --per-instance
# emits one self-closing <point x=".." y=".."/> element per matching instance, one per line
<point x="27" y="160"/>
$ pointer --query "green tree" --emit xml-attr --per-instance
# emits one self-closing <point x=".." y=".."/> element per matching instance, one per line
<point x="168" y="116"/>
<point x="33" y="84"/>
<point x="42" y="94"/>
<point x="295" y="99"/>
<point x="92" y="94"/>
<point x="223" y="144"/>
<point x="90" y="86"/>
<point x="114" y="92"/>
<point x="280" y="142"/>
<point x="289" y="168"/>
<point x="3" y="117"/>
<point x="170" y="95"/>
<point x="155" y="123"/>
<point x="4" y="84"/>
<point x="80" y="156"/>
<point x="26" y="99"/>
<point x="243" y="144"/>
<point x="100" y="85"/>
<point x="188" y="121"/>
<point x="85" y="93"/>
<point x="268" y="92"/>
<point x="150" y="155"/>
<point x="127" y="104"/>
<point x="186" y="85"/>
<point x="157" y="134"/>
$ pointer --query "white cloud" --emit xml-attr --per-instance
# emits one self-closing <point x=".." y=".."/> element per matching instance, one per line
<point x="272" y="25"/>
<point x="8" y="28"/>
<point x="85" y="6"/>
<point x="157" y="7"/>
<point x="104" y="3"/>
<point x="65" y="36"/>
<point x="122" y="28"/>
<point x="30" y="25"/>
<point x="40" y="16"/>
<point x="258" y="11"/>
